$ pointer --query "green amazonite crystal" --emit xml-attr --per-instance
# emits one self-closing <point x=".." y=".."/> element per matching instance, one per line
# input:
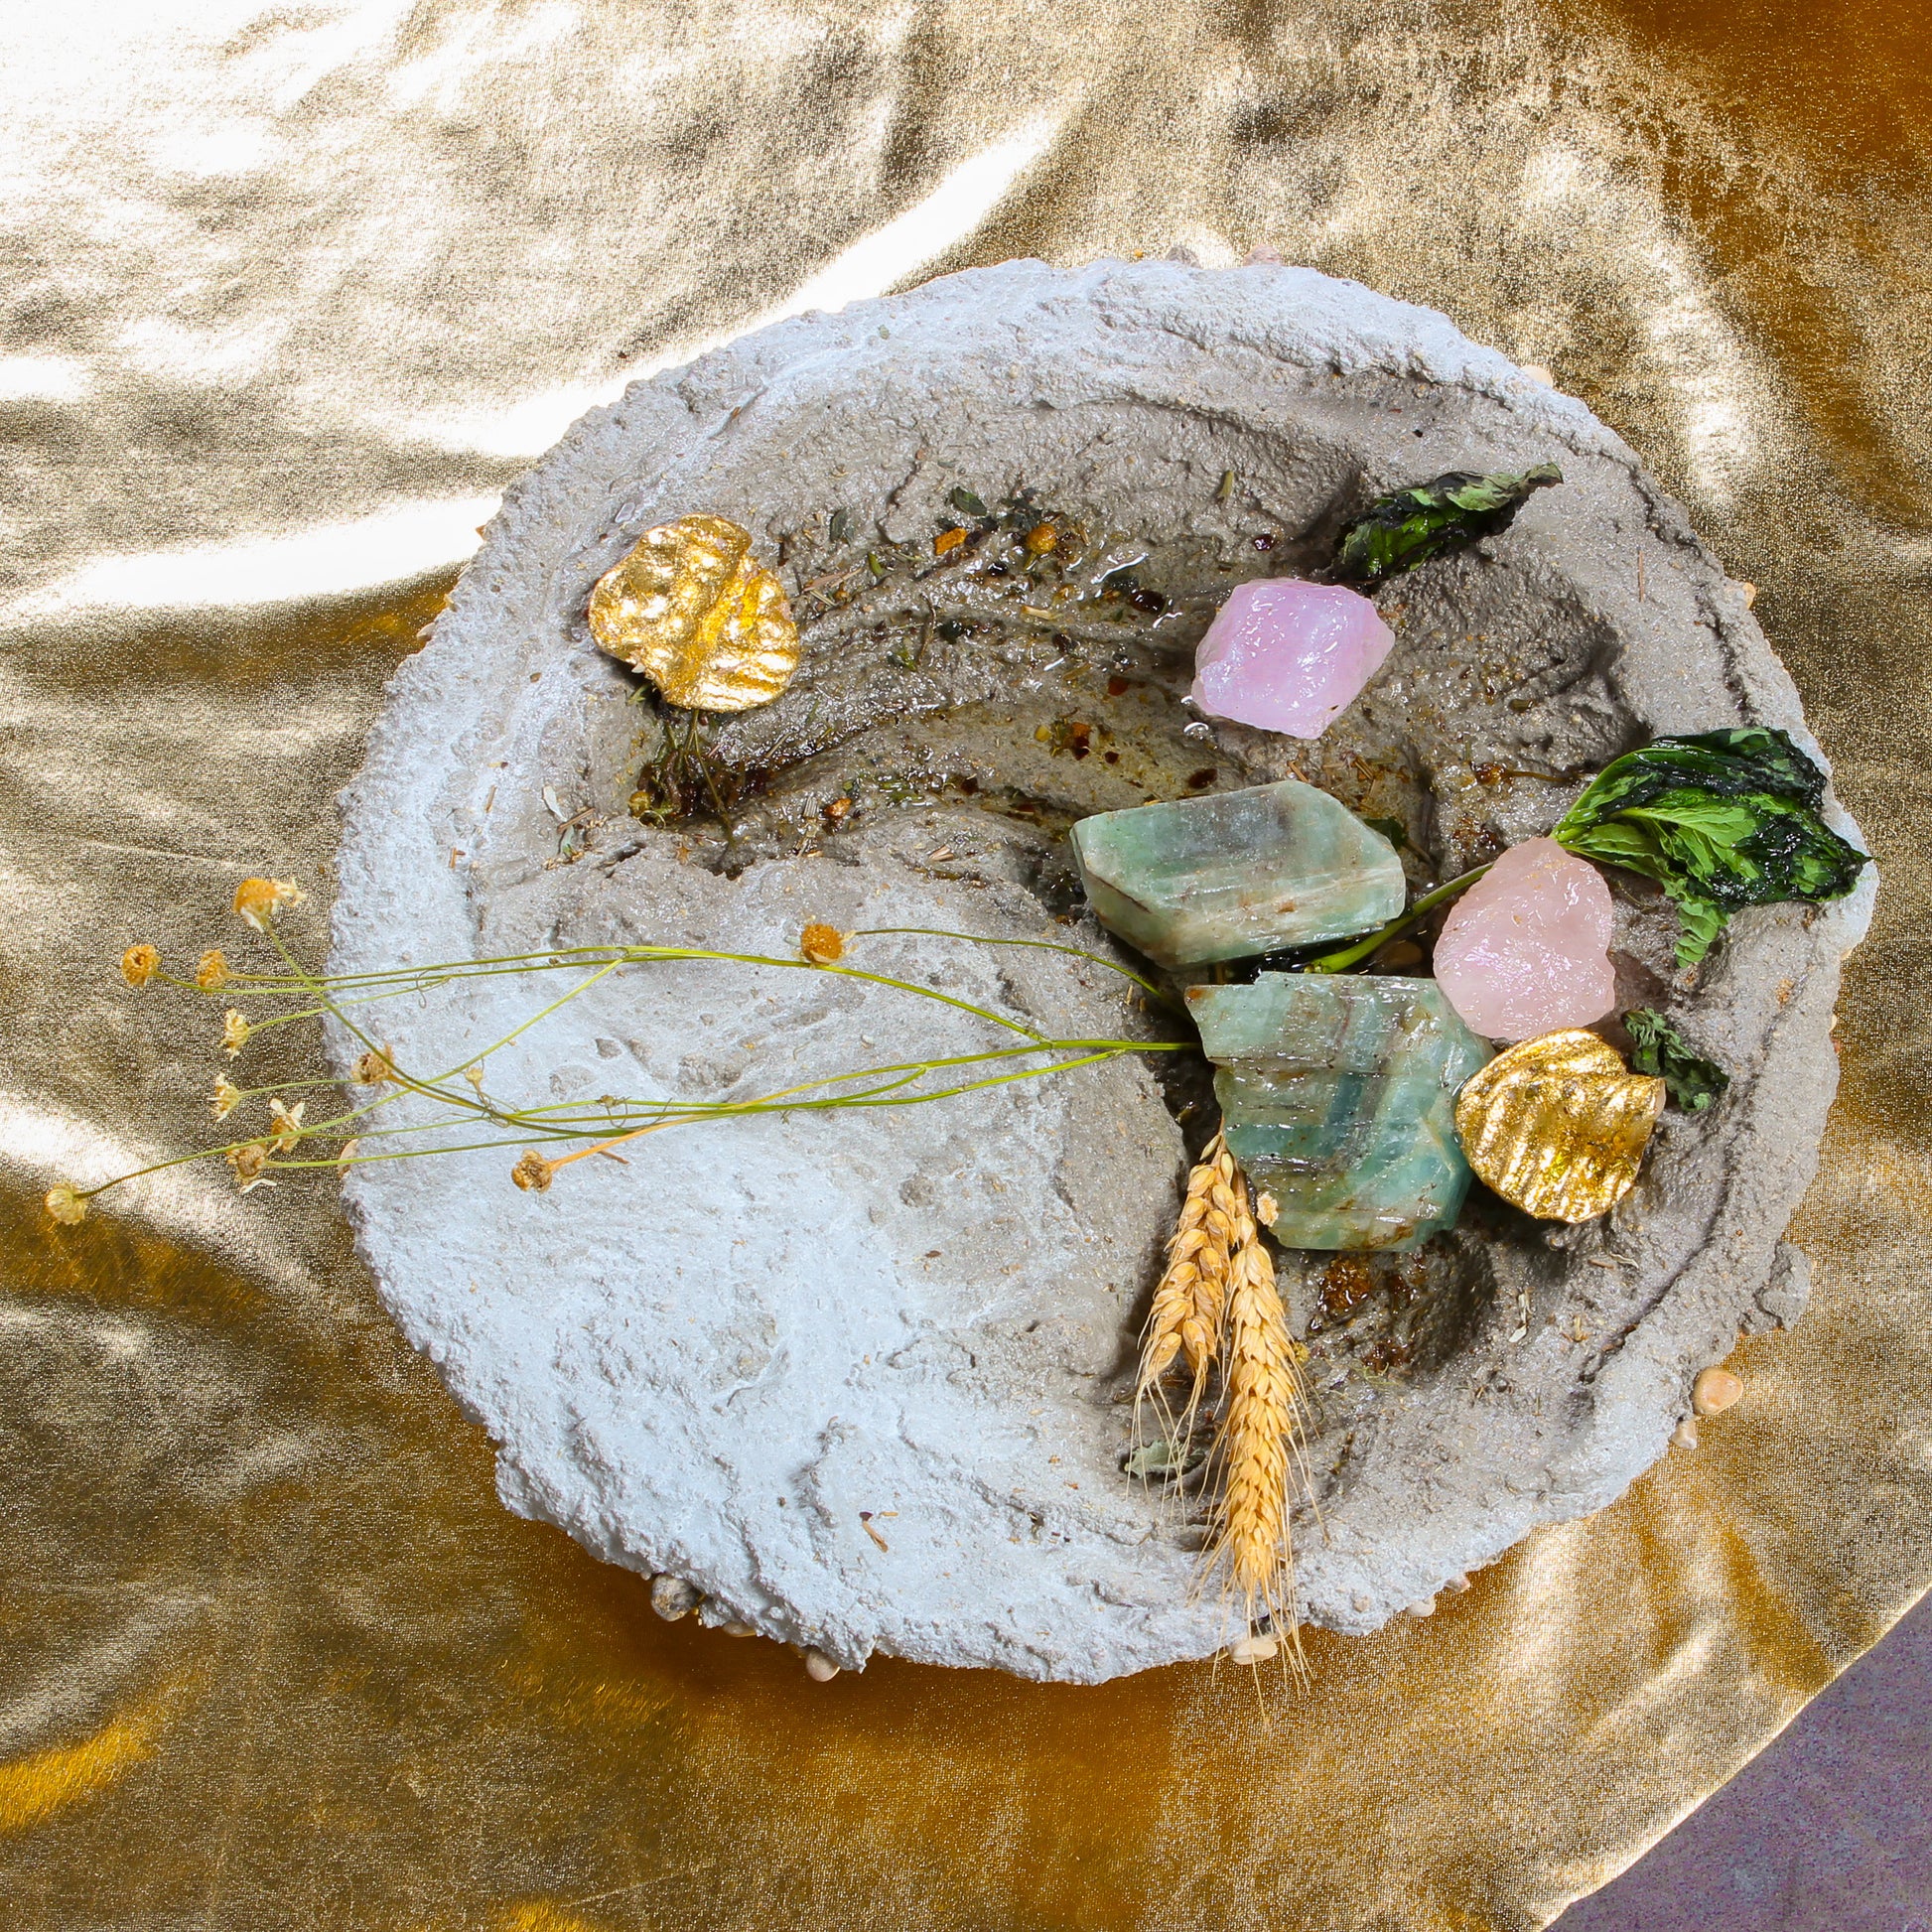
<point x="1336" y="1095"/>
<point x="1237" y="873"/>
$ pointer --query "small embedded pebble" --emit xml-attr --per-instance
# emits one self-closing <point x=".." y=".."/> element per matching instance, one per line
<point x="1458" y="1584"/>
<point x="673" y="1598"/>
<point x="1538" y="373"/>
<point x="737" y="1629"/>
<point x="1714" y="1390"/>
<point x="819" y="1667"/>
<point x="1426" y="1607"/>
<point x="1362" y="1600"/>
<point x="1684" y="1434"/>
<point x="1254" y="1649"/>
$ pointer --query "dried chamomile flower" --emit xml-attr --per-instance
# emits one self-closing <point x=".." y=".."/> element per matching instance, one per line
<point x="287" y="1123"/>
<point x="139" y="964"/>
<point x="821" y="944"/>
<point x="257" y="898"/>
<point x="235" y="1032"/>
<point x="211" y="971"/>
<point x="248" y="1163"/>
<point x="692" y="611"/>
<point x="227" y="1098"/>
<point x="373" y="1067"/>
<point x="533" y="1172"/>
<point x="67" y="1206"/>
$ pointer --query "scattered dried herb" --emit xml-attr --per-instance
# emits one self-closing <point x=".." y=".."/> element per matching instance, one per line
<point x="683" y="776"/>
<point x="963" y="501"/>
<point x="1411" y="526"/>
<point x="1721" y="821"/>
<point x="1659" y="1049"/>
<point x="841" y="526"/>
<point x="1066" y="736"/>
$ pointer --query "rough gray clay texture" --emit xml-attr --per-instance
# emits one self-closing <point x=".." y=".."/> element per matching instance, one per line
<point x="859" y="1377"/>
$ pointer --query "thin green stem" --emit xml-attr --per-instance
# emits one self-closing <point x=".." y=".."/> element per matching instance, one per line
<point x="1360" y="950"/>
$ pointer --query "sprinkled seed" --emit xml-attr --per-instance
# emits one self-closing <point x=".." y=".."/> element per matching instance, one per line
<point x="1714" y="1390"/>
<point x="1256" y="1648"/>
<point x="819" y="1667"/>
<point x="1684" y="1434"/>
<point x="673" y="1598"/>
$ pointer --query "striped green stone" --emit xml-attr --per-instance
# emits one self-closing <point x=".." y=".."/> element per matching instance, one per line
<point x="1237" y="873"/>
<point x="1337" y="1095"/>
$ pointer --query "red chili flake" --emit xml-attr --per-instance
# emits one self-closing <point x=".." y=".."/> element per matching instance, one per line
<point x="1118" y="687"/>
<point x="1204" y="777"/>
<point x="1112" y="757"/>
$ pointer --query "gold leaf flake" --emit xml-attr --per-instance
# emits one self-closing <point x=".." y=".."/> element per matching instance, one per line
<point x="1557" y="1125"/>
<point x="692" y="611"/>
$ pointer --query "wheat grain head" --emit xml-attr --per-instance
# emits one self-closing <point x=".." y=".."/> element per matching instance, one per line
<point x="1258" y="1442"/>
<point x="1184" y="1320"/>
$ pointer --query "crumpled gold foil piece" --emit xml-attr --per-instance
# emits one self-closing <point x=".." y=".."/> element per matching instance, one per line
<point x="1558" y="1124"/>
<point x="691" y="609"/>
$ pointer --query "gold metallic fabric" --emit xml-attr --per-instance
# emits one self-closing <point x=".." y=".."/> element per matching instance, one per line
<point x="1558" y="1124"/>
<point x="290" y="295"/>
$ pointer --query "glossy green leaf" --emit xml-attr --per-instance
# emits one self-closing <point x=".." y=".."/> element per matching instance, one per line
<point x="1720" y="820"/>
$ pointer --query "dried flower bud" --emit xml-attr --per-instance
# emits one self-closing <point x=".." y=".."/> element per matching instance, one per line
<point x="235" y="1032"/>
<point x="946" y="541"/>
<point x="256" y="898"/>
<point x="139" y="964"/>
<point x="248" y="1163"/>
<point x="533" y="1172"/>
<point x="211" y="971"/>
<point x="227" y="1098"/>
<point x="1042" y="538"/>
<point x="67" y="1206"/>
<point x="287" y="1122"/>
<point x="373" y="1067"/>
<point x="821" y="944"/>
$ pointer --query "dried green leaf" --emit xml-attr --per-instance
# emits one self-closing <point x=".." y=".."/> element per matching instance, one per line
<point x="1411" y="526"/>
<point x="840" y="530"/>
<point x="963" y="501"/>
<point x="1660" y="1051"/>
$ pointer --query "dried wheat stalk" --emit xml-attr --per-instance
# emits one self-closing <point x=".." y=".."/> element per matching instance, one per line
<point x="1191" y="1297"/>
<point x="1260" y="1424"/>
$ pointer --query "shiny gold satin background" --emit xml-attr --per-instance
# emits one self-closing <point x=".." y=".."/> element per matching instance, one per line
<point x="273" y="1653"/>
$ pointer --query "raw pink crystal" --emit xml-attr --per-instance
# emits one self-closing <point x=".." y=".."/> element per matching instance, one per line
<point x="1526" y="949"/>
<point x="1288" y="655"/>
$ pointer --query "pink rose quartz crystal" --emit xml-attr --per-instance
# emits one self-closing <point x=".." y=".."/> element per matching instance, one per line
<point x="1526" y="949"/>
<point x="1289" y="656"/>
